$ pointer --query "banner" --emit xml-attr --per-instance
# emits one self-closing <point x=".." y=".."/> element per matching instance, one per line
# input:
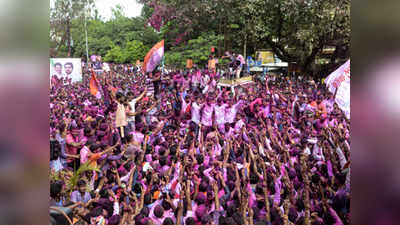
<point x="340" y="80"/>
<point x="70" y="68"/>
<point x="338" y="76"/>
<point x="251" y="62"/>
<point x="153" y="57"/>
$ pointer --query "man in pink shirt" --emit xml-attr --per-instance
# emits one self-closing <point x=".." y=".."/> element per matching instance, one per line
<point x="73" y="143"/>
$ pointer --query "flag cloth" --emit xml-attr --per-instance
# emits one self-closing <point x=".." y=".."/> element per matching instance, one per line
<point x="340" y="80"/>
<point x="94" y="86"/>
<point x="153" y="57"/>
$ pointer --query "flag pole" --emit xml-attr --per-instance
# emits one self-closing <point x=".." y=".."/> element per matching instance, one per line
<point x="163" y="59"/>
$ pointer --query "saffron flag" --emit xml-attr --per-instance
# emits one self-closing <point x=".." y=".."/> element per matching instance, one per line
<point x="94" y="86"/>
<point x="340" y="80"/>
<point x="153" y="57"/>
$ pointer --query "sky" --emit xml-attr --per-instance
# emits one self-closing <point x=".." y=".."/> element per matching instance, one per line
<point x="131" y="7"/>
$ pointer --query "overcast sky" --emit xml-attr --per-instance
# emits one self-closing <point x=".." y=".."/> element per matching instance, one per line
<point x="131" y="7"/>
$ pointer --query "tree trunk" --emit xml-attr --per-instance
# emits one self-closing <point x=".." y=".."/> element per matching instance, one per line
<point x="69" y="37"/>
<point x="225" y="36"/>
<point x="58" y="44"/>
<point x="219" y="41"/>
<point x="310" y="60"/>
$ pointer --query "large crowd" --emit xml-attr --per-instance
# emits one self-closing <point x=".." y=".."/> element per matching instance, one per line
<point x="176" y="148"/>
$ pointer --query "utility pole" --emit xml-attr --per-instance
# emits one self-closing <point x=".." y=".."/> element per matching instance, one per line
<point x="87" y="50"/>
<point x="245" y="46"/>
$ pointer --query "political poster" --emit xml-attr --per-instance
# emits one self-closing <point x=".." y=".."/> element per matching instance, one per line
<point x="70" y="68"/>
<point x="340" y="80"/>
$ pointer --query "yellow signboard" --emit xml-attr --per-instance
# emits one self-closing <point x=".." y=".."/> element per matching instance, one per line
<point x="265" y="57"/>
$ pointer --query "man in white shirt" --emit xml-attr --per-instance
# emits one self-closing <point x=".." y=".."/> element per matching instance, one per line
<point x="196" y="110"/>
<point x="204" y="83"/>
<point x="132" y="104"/>
<point x="220" y="115"/>
<point x="58" y="70"/>
<point x="231" y="111"/>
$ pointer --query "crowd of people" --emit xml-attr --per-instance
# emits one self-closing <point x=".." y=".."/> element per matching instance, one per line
<point x="177" y="149"/>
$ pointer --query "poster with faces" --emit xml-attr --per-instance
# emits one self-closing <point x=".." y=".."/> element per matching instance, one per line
<point x="66" y="68"/>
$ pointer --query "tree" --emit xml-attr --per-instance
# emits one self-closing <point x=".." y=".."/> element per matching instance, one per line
<point x="196" y="49"/>
<point x="118" y="12"/>
<point x="61" y="15"/>
<point x="298" y="31"/>
<point x="98" y="42"/>
<point x="135" y="50"/>
<point x="105" y="35"/>
<point x="115" y="55"/>
<point x="187" y="20"/>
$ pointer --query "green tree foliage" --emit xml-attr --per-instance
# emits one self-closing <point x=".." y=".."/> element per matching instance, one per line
<point x="115" y="54"/>
<point x="133" y="50"/>
<point x="186" y="20"/>
<point x="296" y="30"/>
<point x="62" y="15"/>
<point x="196" y="49"/>
<point x="120" y="35"/>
